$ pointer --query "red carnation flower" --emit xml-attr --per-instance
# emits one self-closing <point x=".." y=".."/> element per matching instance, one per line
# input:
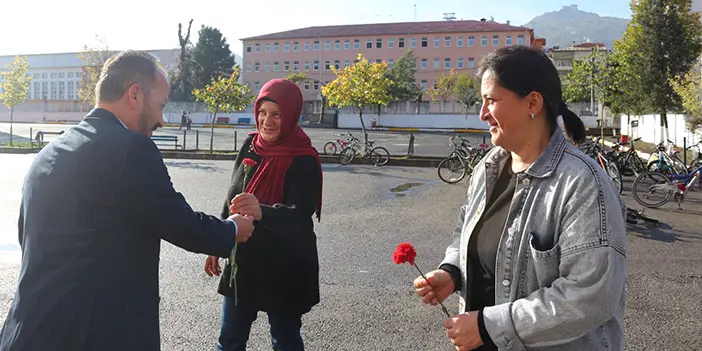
<point x="405" y="253"/>
<point x="249" y="162"/>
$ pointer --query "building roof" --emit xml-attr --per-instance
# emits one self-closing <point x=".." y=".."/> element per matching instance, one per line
<point x="397" y="28"/>
<point x="72" y="59"/>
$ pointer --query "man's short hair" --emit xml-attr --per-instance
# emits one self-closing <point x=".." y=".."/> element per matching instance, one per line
<point x="124" y="69"/>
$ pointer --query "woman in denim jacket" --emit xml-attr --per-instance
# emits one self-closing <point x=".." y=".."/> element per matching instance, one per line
<point x="538" y="254"/>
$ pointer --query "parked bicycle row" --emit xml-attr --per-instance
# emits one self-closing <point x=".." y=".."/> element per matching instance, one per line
<point x="461" y="160"/>
<point x="352" y="147"/>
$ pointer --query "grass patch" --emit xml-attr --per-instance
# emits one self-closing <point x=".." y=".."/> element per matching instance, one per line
<point x="23" y="145"/>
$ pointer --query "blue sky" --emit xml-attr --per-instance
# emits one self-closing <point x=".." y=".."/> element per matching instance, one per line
<point x="47" y="26"/>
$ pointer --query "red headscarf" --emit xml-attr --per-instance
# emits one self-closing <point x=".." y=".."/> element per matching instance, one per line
<point x="268" y="181"/>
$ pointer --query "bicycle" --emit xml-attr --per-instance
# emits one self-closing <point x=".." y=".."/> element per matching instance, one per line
<point x="462" y="159"/>
<point x="669" y="185"/>
<point x="628" y="161"/>
<point x="331" y="146"/>
<point x="378" y="155"/>
<point x="606" y="159"/>
<point x="666" y="161"/>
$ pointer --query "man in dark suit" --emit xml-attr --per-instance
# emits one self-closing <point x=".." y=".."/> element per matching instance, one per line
<point x="96" y="203"/>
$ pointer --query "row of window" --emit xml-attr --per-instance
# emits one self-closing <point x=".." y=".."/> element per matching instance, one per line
<point x="56" y="75"/>
<point x="61" y="90"/>
<point x="461" y="41"/>
<point x="314" y="65"/>
<point x="314" y="85"/>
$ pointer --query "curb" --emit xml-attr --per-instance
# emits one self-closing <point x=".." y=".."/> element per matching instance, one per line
<point x="425" y="161"/>
<point x="427" y="130"/>
<point x="229" y="126"/>
<point x="18" y="150"/>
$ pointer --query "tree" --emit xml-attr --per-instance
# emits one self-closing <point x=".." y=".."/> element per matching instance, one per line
<point x="361" y="85"/>
<point x="211" y="56"/>
<point x="663" y="40"/>
<point x="94" y="57"/>
<point x="15" y="86"/>
<point x="623" y="95"/>
<point x="443" y="88"/>
<point x="297" y="77"/>
<point x="181" y="79"/>
<point x="224" y="94"/>
<point x="401" y="74"/>
<point x="689" y="87"/>
<point x="466" y="91"/>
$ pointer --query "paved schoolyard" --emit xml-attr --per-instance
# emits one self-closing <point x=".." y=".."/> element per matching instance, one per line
<point x="367" y="301"/>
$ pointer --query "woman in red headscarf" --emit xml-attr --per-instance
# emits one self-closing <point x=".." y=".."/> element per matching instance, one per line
<point x="277" y="179"/>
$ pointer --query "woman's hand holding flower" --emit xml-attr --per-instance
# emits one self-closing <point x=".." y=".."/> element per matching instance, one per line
<point x="246" y="204"/>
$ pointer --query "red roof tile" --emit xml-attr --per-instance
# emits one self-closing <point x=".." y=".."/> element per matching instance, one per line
<point x="398" y="28"/>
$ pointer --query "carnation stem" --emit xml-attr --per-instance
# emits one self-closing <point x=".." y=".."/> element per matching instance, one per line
<point x="437" y="298"/>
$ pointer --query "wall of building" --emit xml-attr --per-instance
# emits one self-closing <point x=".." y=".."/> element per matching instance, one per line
<point x="649" y="129"/>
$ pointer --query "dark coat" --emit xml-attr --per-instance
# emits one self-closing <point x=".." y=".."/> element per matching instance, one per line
<point x="278" y="266"/>
<point x="96" y="203"/>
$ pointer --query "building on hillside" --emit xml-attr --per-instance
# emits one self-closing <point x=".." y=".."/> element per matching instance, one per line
<point x="563" y="57"/>
<point x="438" y="46"/>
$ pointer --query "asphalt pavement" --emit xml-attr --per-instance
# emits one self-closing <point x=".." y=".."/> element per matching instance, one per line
<point x="425" y="144"/>
<point x="367" y="301"/>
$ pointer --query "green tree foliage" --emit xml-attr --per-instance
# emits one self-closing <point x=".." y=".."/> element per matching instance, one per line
<point x="401" y="74"/>
<point x="466" y="91"/>
<point x="15" y="86"/>
<point x="361" y="85"/>
<point x="689" y="87"/>
<point x="94" y="57"/>
<point x="297" y="77"/>
<point x="211" y="57"/>
<point x="224" y="94"/>
<point x="443" y="88"/>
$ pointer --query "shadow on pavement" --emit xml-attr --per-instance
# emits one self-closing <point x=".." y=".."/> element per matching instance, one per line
<point x="5" y="138"/>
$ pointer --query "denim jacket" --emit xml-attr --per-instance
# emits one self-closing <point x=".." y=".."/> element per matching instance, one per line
<point x="561" y="264"/>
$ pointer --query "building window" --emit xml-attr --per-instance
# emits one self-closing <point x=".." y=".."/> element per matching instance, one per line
<point x="54" y="90"/>
<point x="258" y="47"/>
<point x="327" y="45"/>
<point x="307" y="85"/>
<point x="356" y="44"/>
<point x="43" y="76"/>
<point x="316" y="85"/>
<point x="287" y="47"/>
<point x="337" y="64"/>
<point x="257" y="85"/>
<point x="44" y="90"/>
<point x="483" y="41"/>
<point x="286" y="66"/>
<point x="337" y="44"/>
<point x="413" y="43"/>
<point x="61" y="75"/>
<point x="378" y="43"/>
<point x="471" y="41"/>
<point x="257" y="67"/>
<point x="248" y="67"/>
<point x="414" y="64"/>
<point x="347" y="44"/>
<point x="401" y="43"/>
<point x="520" y="39"/>
<point x="316" y="45"/>
<point x="347" y="63"/>
<point x="424" y="84"/>
<point x="390" y="62"/>
<point x="437" y="42"/>
<point x="37" y="90"/>
<point x="307" y="65"/>
<point x="424" y="64"/>
<point x="391" y="43"/>
<point x="268" y="47"/>
<point x="379" y="61"/>
<point x="471" y="62"/>
<point x="275" y="47"/>
<point x="296" y="66"/>
<point x="70" y="75"/>
<point x="248" y="48"/>
<point x="53" y="75"/>
<point x="369" y="44"/>
<point x="459" y="63"/>
<point x="326" y="65"/>
<point x="425" y="42"/>
<point x="268" y="66"/>
<point x="447" y="41"/>
<point x="495" y="40"/>
<point x="437" y="64"/>
<point x="447" y="63"/>
<point x="275" y="66"/>
<point x="459" y="42"/>
<point x="296" y="46"/>
<point x="315" y="65"/>
<point x="62" y="90"/>
<point x="508" y="40"/>
<point x="71" y="90"/>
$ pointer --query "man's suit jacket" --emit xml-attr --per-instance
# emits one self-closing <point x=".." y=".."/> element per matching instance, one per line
<point x="96" y="203"/>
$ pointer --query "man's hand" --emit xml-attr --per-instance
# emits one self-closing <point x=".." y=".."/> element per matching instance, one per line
<point x="439" y="285"/>
<point x="244" y="225"/>
<point x="463" y="331"/>
<point x="246" y="204"/>
<point x="212" y="266"/>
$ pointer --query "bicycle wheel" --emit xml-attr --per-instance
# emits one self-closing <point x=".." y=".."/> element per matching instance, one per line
<point x="330" y="148"/>
<point x="636" y="164"/>
<point x="455" y="170"/>
<point x="346" y="155"/>
<point x="613" y="172"/>
<point x="379" y="156"/>
<point x="650" y="184"/>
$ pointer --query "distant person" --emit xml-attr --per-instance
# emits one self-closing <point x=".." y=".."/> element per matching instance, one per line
<point x="183" y="120"/>
<point x="538" y="254"/>
<point x="278" y="269"/>
<point x="96" y="203"/>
